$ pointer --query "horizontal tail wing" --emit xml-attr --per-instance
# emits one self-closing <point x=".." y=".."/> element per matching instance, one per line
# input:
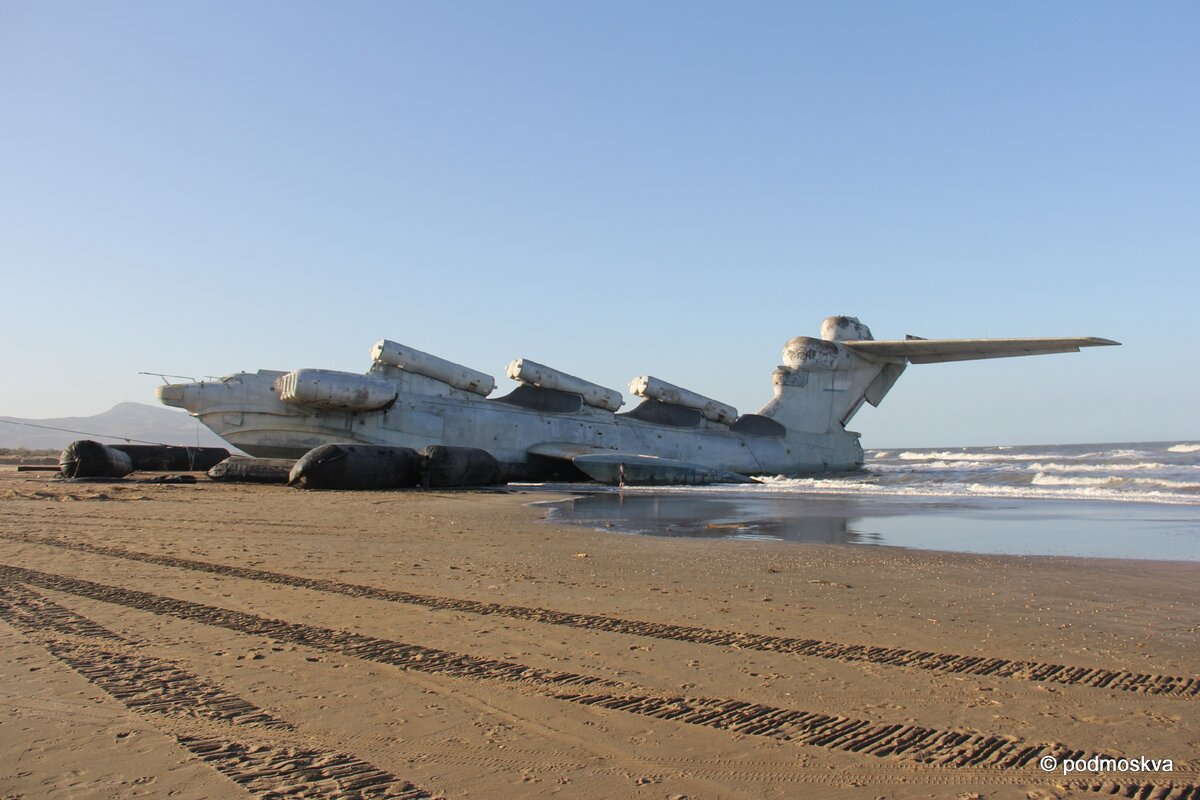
<point x="928" y="351"/>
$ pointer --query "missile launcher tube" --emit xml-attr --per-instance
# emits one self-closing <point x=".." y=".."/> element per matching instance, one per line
<point x="338" y="391"/>
<point x="650" y="387"/>
<point x="530" y="372"/>
<point x="410" y="360"/>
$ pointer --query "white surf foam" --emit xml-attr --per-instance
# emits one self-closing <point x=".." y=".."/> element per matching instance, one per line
<point x="1055" y="467"/>
<point x="1183" y="486"/>
<point x="1122" y="454"/>
<point x="1042" y="479"/>
<point x="947" y="455"/>
<point x="1151" y="491"/>
<point x="985" y="456"/>
<point x="1130" y="473"/>
<point x="989" y="458"/>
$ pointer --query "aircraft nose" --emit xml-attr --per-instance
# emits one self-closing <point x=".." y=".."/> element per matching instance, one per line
<point x="172" y="394"/>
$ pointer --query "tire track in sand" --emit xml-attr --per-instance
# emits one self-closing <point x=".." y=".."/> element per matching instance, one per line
<point x="918" y="744"/>
<point x="1035" y="671"/>
<point x="155" y="686"/>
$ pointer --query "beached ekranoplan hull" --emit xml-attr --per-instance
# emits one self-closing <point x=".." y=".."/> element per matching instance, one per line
<point x="555" y="425"/>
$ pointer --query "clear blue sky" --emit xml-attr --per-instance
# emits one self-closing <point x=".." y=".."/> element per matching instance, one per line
<point x="613" y="189"/>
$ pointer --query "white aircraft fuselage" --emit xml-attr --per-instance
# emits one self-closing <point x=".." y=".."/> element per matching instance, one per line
<point x="553" y="425"/>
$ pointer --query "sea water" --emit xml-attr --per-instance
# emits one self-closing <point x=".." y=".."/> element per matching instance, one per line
<point x="1138" y="500"/>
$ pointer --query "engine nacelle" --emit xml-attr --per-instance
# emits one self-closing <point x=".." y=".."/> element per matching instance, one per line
<point x="530" y="372"/>
<point x="650" y="387"/>
<point x="336" y="391"/>
<point x="410" y="360"/>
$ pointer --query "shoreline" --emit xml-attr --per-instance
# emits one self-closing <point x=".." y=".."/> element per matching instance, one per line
<point x="873" y="635"/>
<point x="1056" y="527"/>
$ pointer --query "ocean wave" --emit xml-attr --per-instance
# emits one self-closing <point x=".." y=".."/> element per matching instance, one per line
<point x="949" y="474"/>
<point x="951" y="455"/>
<point x="927" y="466"/>
<point x="780" y="485"/>
<point x="1182" y="486"/>
<point x="1086" y="493"/>
<point x="1016" y="472"/>
<point x="1126" y="454"/>
<point x="990" y="466"/>
<point x="1048" y="451"/>
<point x="1055" y="467"/>
<point x="1126" y="472"/>
<point x="1042" y="479"/>
<point x="947" y="455"/>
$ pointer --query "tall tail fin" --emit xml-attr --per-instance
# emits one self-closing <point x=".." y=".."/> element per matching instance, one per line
<point x="823" y="382"/>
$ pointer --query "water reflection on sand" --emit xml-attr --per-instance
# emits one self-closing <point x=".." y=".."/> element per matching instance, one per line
<point x="717" y="518"/>
<point x="973" y="525"/>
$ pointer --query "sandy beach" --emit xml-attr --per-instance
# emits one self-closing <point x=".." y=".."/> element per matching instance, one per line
<point x="211" y="640"/>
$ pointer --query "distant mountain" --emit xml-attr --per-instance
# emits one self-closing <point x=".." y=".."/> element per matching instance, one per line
<point x="136" y="422"/>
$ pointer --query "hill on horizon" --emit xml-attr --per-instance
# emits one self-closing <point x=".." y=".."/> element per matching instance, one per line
<point x="124" y="422"/>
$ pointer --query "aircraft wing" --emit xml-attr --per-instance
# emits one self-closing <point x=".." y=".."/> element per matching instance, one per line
<point x="928" y="351"/>
<point x="606" y="465"/>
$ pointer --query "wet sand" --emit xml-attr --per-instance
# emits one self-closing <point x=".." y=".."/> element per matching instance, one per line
<point x="213" y="640"/>
<point x="977" y="524"/>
